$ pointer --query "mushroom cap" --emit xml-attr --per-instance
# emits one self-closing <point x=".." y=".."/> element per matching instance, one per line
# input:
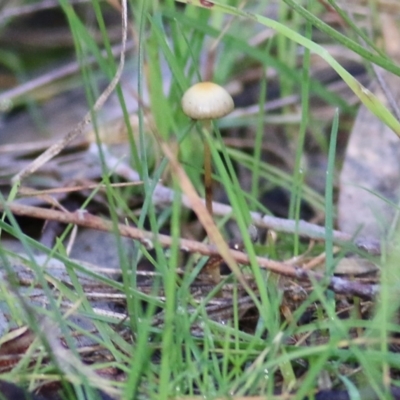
<point x="207" y="100"/>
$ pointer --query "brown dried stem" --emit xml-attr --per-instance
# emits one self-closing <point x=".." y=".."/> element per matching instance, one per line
<point x="83" y="218"/>
<point x="164" y="196"/>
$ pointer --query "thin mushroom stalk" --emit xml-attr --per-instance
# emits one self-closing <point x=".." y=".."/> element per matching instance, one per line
<point x="204" y="102"/>
<point x="208" y="169"/>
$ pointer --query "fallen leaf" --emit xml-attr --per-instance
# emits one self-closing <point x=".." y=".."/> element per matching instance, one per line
<point x="369" y="180"/>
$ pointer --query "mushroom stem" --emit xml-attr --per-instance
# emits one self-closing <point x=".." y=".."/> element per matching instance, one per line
<point x="207" y="169"/>
<point x="205" y="101"/>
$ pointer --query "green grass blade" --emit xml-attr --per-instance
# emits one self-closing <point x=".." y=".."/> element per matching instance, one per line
<point x="366" y="97"/>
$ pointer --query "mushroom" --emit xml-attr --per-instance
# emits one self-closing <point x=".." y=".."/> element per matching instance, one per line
<point x="206" y="101"/>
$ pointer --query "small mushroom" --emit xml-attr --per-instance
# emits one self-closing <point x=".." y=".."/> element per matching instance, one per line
<point x="206" y="101"/>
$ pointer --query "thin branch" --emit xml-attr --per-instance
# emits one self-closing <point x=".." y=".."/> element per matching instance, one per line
<point x="164" y="196"/>
<point x="148" y="239"/>
<point x="58" y="146"/>
<point x="32" y="8"/>
<point x="61" y="72"/>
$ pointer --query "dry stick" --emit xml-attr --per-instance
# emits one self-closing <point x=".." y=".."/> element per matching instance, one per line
<point x="37" y="145"/>
<point x="59" y="73"/>
<point x="32" y="8"/>
<point x="29" y="192"/>
<point x="164" y="196"/>
<point x="84" y="219"/>
<point x="58" y="146"/>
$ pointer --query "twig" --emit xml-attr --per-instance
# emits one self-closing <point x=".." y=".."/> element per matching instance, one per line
<point x="163" y="196"/>
<point x="55" y="74"/>
<point x="31" y="8"/>
<point x="83" y="218"/>
<point x="58" y="146"/>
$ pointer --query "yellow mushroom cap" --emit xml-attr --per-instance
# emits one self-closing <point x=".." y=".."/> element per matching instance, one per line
<point x="207" y="100"/>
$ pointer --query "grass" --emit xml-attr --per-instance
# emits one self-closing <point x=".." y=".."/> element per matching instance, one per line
<point x="191" y="353"/>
